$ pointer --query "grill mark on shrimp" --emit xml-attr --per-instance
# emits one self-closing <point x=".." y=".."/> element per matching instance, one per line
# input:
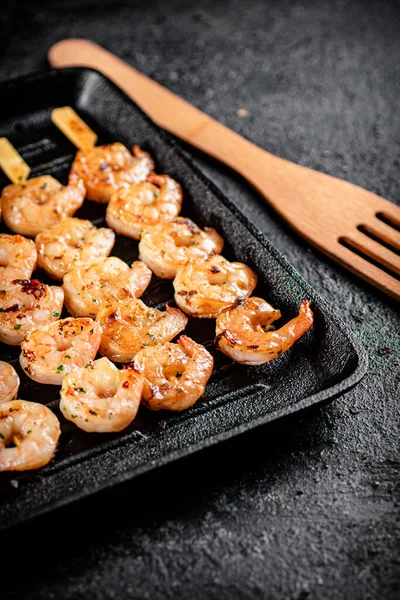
<point x="32" y="287"/>
<point x="131" y="367"/>
<point x="113" y="316"/>
<point x="192" y="226"/>
<point x="187" y="294"/>
<point x="4" y="413"/>
<point x="14" y="308"/>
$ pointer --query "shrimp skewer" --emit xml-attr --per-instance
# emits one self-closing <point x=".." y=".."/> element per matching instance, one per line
<point x="9" y="382"/>
<point x="69" y="241"/>
<point x="92" y="285"/>
<point x="36" y="204"/>
<point x="167" y="246"/>
<point x="244" y="333"/>
<point x="105" y="169"/>
<point x="132" y="210"/>
<point x="175" y="374"/>
<point x="51" y="351"/>
<point x="27" y="303"/>
<point x="130" y="325"/>
<point x="101" y="398"/>
<point x="18" y="258"/>
<point x="29" y="434"/>
<point x="204" y="288"/>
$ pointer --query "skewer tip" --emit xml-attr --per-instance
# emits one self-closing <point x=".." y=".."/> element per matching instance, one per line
<point x="73" y="127"/>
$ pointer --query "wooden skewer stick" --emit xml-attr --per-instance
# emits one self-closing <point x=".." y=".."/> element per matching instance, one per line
<point x="73" y="127"/>
<point x="12" y="163"/>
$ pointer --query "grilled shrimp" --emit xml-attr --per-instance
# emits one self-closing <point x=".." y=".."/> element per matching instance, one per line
<point x="130" y="325"/>
<point x="51" y="351"/>
<point x="89" y="286"/>
<point x="71" y="240"/>
<point x="27" y="303"/>
<point x="107" y="168"/>
<point x="29" y="434"/>
<point x="175" y="374"/>
<point x="203" y="288"/>
<point x="133" y="209"/>
<point x="167" y="246"/>
<point x="245" y="334"/>
<point x="18" y="258"/>
<point x="37" y="204"/>
<point x="9" y="382"/>
<point x="100" y="397"/>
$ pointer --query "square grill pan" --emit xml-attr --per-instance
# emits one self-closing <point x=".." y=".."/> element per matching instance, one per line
<point x="327" y="361"/>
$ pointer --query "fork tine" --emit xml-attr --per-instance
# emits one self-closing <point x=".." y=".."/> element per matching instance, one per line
<point x="376" y="251"/>
<point x="367" y="271"/>
<point x="384" y="232"/>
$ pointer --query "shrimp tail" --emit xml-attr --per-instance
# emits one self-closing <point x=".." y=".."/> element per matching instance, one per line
<point x="307" y="314"/>
<point x="289" y="333"/>
<point x="156" y="179"/>
<point x="139" y="153"/>
<point x="188" y="345"/>
<point x="180" y="317"/>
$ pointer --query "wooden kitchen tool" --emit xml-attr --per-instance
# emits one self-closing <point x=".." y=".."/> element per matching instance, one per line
<point x="357" y="228"/>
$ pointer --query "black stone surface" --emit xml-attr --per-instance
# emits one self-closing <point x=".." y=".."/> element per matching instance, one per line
<point x="306" y="507"/>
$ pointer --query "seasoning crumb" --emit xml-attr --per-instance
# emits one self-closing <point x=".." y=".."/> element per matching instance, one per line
<point x="242" y="112"/>
<point x="385" y="351"/>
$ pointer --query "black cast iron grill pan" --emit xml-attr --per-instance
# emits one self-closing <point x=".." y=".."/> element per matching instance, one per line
<point x="325" y="362"/>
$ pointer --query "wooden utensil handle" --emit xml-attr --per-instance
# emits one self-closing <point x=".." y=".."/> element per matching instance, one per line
<point x="176" y="116"/>
<point x="323" y="209"/>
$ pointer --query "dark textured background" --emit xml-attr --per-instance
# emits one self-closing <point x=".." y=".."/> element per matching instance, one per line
<point x="307" y="507"/>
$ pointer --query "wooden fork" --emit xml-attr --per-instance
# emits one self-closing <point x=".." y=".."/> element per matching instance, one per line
<point x="357" y="228"/>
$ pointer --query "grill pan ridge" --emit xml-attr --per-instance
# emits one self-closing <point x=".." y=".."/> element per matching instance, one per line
<point x="327" y="361"/>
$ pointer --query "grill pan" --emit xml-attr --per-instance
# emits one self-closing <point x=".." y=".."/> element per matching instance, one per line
<point x="327" y="361"/>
